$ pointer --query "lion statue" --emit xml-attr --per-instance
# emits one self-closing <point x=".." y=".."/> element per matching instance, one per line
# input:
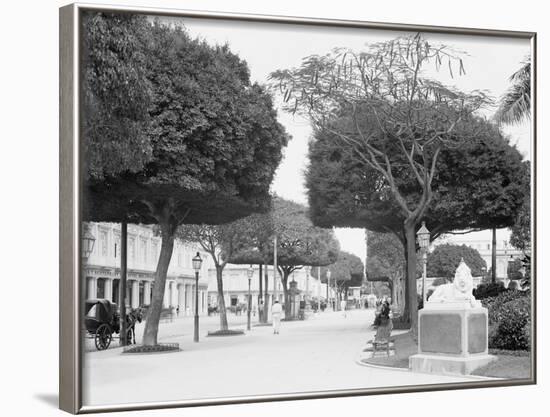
<point x="460" y="290"/>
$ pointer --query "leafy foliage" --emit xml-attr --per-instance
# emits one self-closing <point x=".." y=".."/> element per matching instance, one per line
<point x="347" y="271"/>
<point x="215" y="141"/>
<point x="488" y="289"/>
<point x="509" y="320"/>
<point x="515" y="105"/>
<point x="521" y="229"/>
<point x="117" y="94"/>
<point x="514" y="269"/>
<point x="479" y="185"/>
<point x="380" y="104"/>
<point x="444" y="259"/>
<point x="385" y="255"/>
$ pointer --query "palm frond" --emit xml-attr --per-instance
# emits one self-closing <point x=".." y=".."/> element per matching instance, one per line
<point x="515" y="104"/>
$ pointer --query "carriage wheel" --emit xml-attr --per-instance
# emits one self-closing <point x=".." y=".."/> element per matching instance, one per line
<point x="103" y="337"/>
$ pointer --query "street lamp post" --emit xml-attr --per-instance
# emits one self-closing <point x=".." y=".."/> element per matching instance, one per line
<point x="318" y="289"/>
<point x="197" y="263"/>
<point x="306" y="298"/>
<point x="328" y="286"/>
<point x="423" y="236"/>
<point x="250" y="272"/>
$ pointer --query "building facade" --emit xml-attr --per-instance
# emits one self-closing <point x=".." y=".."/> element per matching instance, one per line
<point x="101" y="270"/>
<point x="235" y="285"/>
<point x="482" y="242"/>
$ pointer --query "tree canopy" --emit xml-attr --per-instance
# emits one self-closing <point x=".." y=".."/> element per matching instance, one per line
<point x="117" y="94"/>
<point x="215" y="140"/>
<point x="299" y="242"/>
<point x="480" y="184"/>
<point x="347" y="271"/>
<point x="444" y="259"/>
<point x="212" y="140"/>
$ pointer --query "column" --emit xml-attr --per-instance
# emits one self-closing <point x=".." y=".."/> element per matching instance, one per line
<point x="166" y="299"/>
<point x="181" y="297"/>
<point x="109" y="289"/>
<point x="187" y="299"/>
<point x="134" y="302"/>
<point x="174" y="293"/>
<point x="147" y="293"/>
<point x="92" y="288"/>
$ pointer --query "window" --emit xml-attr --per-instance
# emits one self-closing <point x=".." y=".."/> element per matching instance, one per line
<point x="116" y="246"/>
<point x="155" y="250"/>
<point x="143" y="245"/>
<point x="132" y="248"/>
<point x="103" y="243"/>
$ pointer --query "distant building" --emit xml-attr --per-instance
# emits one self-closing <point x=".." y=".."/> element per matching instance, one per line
<point x="101" y="270"/>
<point x="482" y="242"/>
<point x="235" y="285"/>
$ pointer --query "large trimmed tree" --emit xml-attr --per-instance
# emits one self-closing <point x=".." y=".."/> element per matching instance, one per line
<point x="347" y="271"/>
<point x="478" y="185"/>
<point x="299" y="242"/>
<point x="211" y="148"/>
<point x="444" y="259"/>
<point x="251" y="244"/>
<point x="396" y="120"/>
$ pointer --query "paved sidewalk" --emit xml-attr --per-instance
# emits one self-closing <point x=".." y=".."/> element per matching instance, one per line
<point x="318" y="354"/>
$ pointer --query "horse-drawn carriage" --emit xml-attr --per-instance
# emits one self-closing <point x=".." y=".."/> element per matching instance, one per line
<point x="102" y="322"/>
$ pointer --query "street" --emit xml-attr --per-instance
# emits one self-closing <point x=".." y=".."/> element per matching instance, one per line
<point x="317" y="354"/>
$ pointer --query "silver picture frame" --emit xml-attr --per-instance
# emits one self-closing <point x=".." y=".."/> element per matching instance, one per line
<point x="70" y="283"/>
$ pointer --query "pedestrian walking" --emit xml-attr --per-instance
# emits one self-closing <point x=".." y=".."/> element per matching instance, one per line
<point x="343" y="305"/>
<point x="276" y="311"/>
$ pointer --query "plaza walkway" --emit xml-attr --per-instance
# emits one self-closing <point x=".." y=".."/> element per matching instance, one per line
<point x="318" y="354"/>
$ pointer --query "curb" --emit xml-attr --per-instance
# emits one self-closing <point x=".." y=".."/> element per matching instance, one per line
<point x="393" y="368"/>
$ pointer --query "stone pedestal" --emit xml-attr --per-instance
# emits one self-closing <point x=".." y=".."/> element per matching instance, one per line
<point x="452" y="339"/>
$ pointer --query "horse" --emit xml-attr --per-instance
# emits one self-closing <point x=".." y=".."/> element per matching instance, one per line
<point x="133" y="316"/>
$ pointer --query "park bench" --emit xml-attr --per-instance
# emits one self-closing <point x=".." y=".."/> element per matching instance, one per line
<point x="381" y="339"/>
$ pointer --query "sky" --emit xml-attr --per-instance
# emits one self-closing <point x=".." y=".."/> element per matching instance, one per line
<point x="267" y="47"/>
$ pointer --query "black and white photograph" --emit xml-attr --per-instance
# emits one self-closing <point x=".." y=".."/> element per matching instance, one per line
<point x="270" y="209"/>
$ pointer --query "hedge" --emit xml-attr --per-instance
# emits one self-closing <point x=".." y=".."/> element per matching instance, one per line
<point x="509" y="320"/>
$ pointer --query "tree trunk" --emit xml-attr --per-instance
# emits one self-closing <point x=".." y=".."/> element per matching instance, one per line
<point x="153" y="314"/>
<point x="494" y="257"/>
<point x="221" y="300"/>
<point x="284" y="281"/>
<point x="406" y="316"/>
<point x="399" y="294"/>
<point x="411" y="275"/>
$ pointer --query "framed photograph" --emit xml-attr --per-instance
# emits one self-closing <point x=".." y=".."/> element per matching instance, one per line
<point x="258" y="208"/>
